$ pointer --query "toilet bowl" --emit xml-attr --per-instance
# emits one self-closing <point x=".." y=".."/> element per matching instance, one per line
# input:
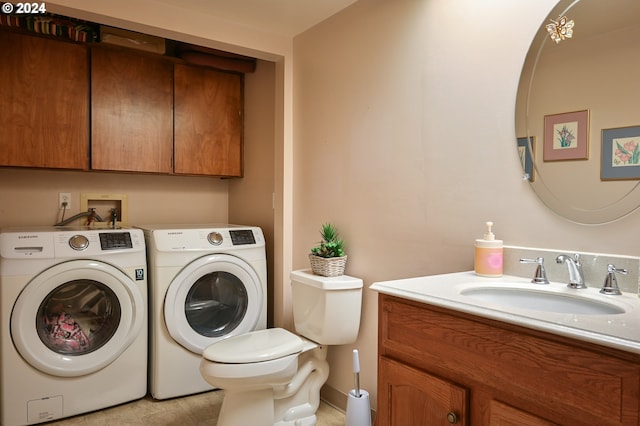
<point x="273" y="376"/>
<point x="268" y="378"/>
<point x="258" y="359"/>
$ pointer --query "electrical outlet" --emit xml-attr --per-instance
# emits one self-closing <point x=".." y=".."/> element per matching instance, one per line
<point x="64" y="197"/>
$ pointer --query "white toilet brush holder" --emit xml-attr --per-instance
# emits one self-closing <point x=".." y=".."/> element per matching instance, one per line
<point x="358" y="409"/>
<point x="358" y="405"/>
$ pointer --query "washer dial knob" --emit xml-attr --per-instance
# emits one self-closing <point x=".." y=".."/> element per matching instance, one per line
<point x="215" y="238"/>
<point x="78" y="242"/>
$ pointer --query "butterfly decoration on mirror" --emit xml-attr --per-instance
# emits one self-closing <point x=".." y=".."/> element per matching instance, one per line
<point x="560" y="29"/>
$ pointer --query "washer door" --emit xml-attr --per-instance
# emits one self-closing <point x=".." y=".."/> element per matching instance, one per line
<point x="77" y="317"/>
<point x="212" y="298"/>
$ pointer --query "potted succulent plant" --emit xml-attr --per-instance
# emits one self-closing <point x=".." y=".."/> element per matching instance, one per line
<point x="328" y="258"/>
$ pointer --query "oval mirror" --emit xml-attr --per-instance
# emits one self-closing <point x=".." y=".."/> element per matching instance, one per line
<point x="577" y="120"/>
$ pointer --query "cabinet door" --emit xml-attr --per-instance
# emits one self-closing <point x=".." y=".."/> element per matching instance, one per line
<point x="132" y="112"/>
<point x="408" y="396"/>
<point x="208" y="122"/>
<point x="44" y="102"/>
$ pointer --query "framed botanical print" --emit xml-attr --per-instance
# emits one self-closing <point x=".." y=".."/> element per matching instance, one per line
<point x="566" y="136"/>
<point x="620" y="153"/>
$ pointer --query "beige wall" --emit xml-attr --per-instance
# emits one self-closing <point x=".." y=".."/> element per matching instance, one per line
<point x="30" y="197"/>
<point x="404" y="138"/>
<point x="251" y="199"/>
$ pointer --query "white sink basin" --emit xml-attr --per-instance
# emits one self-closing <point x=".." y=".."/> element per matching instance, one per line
<point x="542" y="301"/>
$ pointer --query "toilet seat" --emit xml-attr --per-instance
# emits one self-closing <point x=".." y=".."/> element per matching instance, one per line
<point x="254" y="346"/>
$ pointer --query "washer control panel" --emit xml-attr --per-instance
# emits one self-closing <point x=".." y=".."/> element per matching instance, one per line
<point x="60" y="242"/>
<point x="108" y="241"/>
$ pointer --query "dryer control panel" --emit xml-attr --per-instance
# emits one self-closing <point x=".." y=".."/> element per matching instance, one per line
<point x="206" y="239"/>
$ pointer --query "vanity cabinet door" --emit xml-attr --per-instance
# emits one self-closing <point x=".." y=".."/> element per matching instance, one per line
<point x="414" y="397"/>
<point x="44" y="102"/>
<point x="132" y="112"/>
<point x="208" y="121"/>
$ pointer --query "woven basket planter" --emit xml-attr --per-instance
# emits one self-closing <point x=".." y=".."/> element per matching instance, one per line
<point x="328" y="266"/>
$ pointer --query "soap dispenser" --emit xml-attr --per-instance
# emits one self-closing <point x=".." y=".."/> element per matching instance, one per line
<point x="488" y="259"/>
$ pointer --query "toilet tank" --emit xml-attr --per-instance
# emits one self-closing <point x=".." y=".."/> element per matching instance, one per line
<point x="326" y="309"/>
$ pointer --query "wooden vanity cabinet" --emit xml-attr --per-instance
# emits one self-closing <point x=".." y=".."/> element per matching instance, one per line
<point x="132" y="112"/>
<point x="433" y="361"/>
<point x="44" y="102"/>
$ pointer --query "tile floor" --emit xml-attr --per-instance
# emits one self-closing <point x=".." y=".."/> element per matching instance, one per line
<point x="194" y="410"/>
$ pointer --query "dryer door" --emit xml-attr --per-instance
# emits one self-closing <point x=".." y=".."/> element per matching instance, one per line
<point x="77" y="317"/>
<point x="212" y="298"/>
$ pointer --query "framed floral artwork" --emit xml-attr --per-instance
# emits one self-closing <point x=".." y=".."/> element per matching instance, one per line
<point x="566" y="136"/>
<point x="620" y="153"/>
<point x="526" y="149"/>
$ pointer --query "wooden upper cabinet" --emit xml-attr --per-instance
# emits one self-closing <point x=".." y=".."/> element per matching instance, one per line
<point x="147" y="113"/>
<point x="208" y="122"/>
<point x="44" y="102"/>
<point x="132" y="112"/>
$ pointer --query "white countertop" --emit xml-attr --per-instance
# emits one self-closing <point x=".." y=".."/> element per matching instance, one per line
<point x="620" y="331"/>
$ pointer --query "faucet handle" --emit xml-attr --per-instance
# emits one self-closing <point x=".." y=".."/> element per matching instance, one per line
<point x="540" y="276"/>
<point x="610" y="285"/>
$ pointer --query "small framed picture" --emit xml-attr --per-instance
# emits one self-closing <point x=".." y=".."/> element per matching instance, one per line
<point x="526" y="149"/>
<point x="566" y="136"/>
<point x="620" y="153"/>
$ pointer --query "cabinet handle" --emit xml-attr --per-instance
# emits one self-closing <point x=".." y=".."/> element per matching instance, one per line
<point x="452" y="417"/>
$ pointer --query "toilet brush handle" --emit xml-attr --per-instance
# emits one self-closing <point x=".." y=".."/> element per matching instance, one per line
<point x="356" y="372"/>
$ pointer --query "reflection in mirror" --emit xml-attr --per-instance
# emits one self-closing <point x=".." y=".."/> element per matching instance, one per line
<point x="582" y="90"/>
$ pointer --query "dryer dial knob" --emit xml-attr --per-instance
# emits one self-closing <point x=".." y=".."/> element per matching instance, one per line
<point x="215" y="238"/>
<point x="78" y="242"/>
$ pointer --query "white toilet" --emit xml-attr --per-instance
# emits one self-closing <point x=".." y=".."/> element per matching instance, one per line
<point x="273" y="377"/>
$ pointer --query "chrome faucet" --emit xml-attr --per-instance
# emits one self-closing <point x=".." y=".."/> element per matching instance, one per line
<point x="576" y="277"/>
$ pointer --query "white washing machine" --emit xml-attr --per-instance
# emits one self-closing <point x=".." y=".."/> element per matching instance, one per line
<point x="73" y="318"/>
<point x="206" y="283"/>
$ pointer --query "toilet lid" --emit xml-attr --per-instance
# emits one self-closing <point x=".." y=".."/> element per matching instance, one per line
<point x="255" y="346"/>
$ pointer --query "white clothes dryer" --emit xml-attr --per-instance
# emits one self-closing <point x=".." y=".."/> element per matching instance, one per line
<point x="73" y="318"/>
<point x="206" y="283"/>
